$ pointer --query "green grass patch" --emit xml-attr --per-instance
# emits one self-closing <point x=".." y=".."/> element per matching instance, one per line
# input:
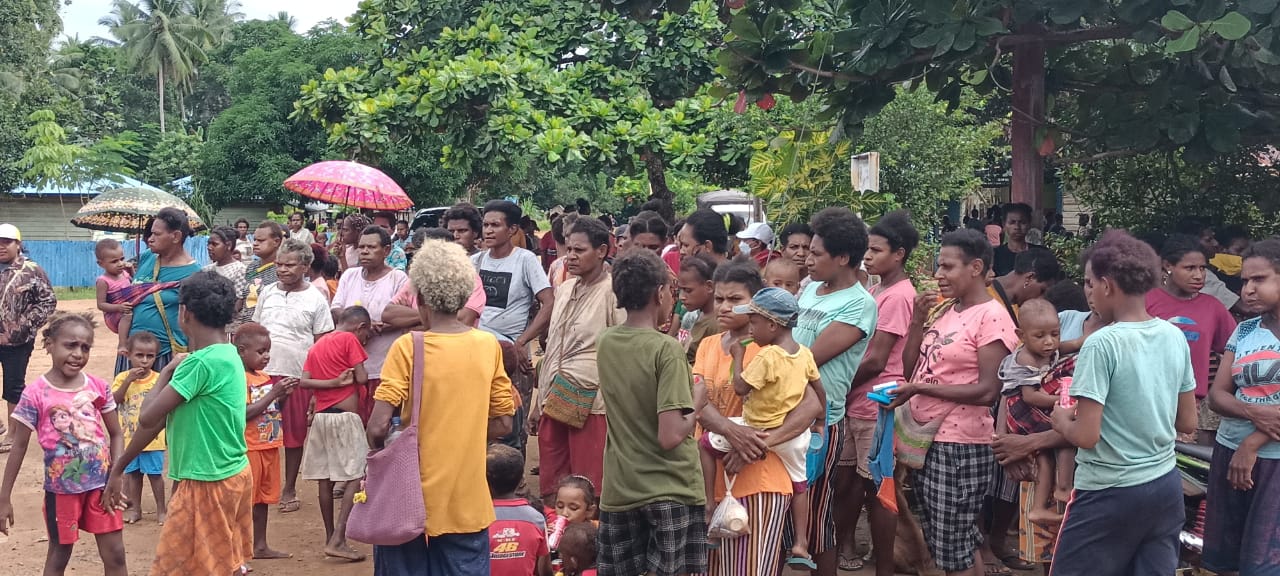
<point x="64" y="293"/>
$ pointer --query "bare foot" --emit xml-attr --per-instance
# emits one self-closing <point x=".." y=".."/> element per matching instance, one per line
<point x="132" y="515"/>
<point x="160" y="517"/>
<point x="1044" y="517"/>
<point x="344" y="552"/>
<point x="269" y="554"/>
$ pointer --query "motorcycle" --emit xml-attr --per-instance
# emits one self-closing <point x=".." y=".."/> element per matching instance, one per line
<point x="1193" y="464"/>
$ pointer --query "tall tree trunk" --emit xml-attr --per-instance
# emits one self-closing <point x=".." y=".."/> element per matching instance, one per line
<point x="160" y="89"/>
<point x="655" y="168"/>
<point x="1027" y="184"/>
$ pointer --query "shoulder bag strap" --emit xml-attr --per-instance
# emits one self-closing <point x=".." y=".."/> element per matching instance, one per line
<point x="174" y="347"/>
<point x="416" y="393"/>
<point x="1004" y="299"/>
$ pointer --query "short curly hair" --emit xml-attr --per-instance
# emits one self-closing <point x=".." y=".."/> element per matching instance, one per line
<point x="973" y="244"/>
<point x="62" y="319"/>
<point x="464" y="211"/>
<point x="842" y="233"/>
<point x="1131" y="263"/>
<point x="1268" y="250"/>
<point x="637" y="276"/>
<point x="896" y="228"/>
<point x="744" y="272"/>
<point x="209" y="297"/>
<point x="295" y="246"/>
<point x="1177" y="246"/>
<point x="442" y="275"/>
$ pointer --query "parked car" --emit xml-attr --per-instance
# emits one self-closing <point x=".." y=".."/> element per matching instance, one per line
<point x="428" y="218"/>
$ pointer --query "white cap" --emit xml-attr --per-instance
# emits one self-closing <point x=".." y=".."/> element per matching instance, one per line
<point x="757" y="231"/>
<point x="9" y="231"/>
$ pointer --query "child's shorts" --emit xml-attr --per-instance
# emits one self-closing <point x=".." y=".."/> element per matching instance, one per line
<point x="150" y="463"/>
<point x="336" y="448"/>
<point x="264" y="465"/>
<point x="660" y="538"/>
<point x="793" y="454"/>
<point x="65" y="515"/>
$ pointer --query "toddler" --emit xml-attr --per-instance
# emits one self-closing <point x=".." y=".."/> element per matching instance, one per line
<point x="518" y="538"/>
<point x="131" y="389"/>
<point x="73" y="416"/>
<point x="774" y="384"/>
<point x="783" y="273"/>
<point x="578" y="550"/>
<point x="263" y="434"/>
<point x="115" y="277"/>
<point x="1029" y="402"/>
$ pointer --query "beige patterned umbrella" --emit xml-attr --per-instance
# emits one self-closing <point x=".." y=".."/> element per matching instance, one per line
<point x="128" y="209"/>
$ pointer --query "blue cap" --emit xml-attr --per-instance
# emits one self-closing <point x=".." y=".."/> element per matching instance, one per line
<point x="775" y="304"/>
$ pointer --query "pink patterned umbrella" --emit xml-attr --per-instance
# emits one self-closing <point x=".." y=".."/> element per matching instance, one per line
<point x="349" y="184"/>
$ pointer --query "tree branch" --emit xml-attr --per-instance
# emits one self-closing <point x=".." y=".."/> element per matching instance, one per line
<point x="1104" y="156"/>
<point x="1068" y="37"/>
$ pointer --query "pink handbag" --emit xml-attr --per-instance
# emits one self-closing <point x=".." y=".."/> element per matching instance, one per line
<point x="393" y="512"/>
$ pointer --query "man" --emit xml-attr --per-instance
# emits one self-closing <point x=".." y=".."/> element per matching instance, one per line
<point x="298" y="230"/>
<point x="26" y="302"/>
<point x="397" y="258"/>
<point x="262" y="271"/>
<point x="1017" y="221"/>
<point x="401" y="236"/>
<point x="758" y="238"/>
<point x="465" y="223"/>
<point x="513" y="282"/>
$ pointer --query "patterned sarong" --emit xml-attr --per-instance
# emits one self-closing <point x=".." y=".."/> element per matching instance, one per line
<point x="132" y="295"/>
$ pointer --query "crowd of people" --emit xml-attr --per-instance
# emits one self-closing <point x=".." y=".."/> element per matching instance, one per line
<point x="706" y="397"/>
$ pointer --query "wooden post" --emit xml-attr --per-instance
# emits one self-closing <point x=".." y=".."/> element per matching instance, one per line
<point x="1027" y="184"/>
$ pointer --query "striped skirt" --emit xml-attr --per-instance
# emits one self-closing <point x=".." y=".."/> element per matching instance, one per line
<point x="760" y="552"/>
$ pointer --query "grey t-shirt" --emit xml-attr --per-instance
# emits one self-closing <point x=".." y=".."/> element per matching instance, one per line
<point x="510" y="286"/>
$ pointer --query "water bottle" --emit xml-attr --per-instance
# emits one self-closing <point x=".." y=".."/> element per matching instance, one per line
<point x="557" y="530"/>
<point x="1064" y="393"/>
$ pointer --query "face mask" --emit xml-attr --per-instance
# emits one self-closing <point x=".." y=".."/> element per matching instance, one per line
<point x="744" y="248"/>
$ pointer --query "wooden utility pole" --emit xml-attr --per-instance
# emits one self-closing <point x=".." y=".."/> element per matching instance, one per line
<point x="1027" y="185"/>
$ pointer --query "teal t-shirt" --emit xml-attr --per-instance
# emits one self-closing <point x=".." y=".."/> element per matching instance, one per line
<point x="206" y="433"/>
<point x="1136" y="370"/>
<point x="1256" y="376"/>
<point x="146" y="315"/>
<point x="853" y="306"/>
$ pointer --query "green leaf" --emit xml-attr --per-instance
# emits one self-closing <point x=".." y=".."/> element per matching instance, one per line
<point x="930" y="37"/>
<point x="1183" y="127"/>
<point x="745" y="28"/>
<point x="1265" y="56"/>
<point x="1259" y="6"/>
<point x="1225" y="77"/>
<point x="1184" y="43"/>
<point x="1233" y="26"/>
<point x="1176" y="21"/>
<point x="990" y="26"/>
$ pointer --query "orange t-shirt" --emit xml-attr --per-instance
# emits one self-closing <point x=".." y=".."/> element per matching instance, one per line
<point x="714" y="365"/>
<point x="264" y="432"/>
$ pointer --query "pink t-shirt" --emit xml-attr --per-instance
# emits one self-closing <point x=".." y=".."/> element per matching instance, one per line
<point x="949" y="357"/>
<point x="113" y="284"/>
<point x="70" y="429"/>
<point x="1203" y="320"/>
<point x="407" y="296"/>
<point x="894" y="305"/>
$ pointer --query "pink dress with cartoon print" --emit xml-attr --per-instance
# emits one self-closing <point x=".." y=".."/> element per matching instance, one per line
<point x="69" y="427"/>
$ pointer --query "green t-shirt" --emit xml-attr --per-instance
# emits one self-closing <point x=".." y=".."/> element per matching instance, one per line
<point x="1136" y="370"/>
<point x="853" y="306"/>
<point x="643" y="373"/>
<point x="206" y="433"/>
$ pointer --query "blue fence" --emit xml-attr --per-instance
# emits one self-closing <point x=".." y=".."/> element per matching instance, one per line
<point x="71" y="263"/>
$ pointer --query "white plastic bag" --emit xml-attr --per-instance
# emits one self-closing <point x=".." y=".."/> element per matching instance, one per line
<point x="730" y="519"/>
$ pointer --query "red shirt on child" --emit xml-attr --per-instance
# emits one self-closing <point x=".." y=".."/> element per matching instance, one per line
<point x="517" y="539"/>
<point x="336" y="352"/>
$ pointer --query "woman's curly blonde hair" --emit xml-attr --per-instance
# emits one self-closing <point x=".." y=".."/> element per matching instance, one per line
<point x="443" y="276"/>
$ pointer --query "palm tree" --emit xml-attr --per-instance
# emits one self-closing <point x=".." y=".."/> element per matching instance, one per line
<point x="160" y="37"/>
<point x="286" y="18"/>
<point x="217" y="17"/>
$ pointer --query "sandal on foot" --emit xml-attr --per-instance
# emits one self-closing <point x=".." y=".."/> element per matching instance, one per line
<point x="850" y="564"/>
<point x="1012" y="561"/>
<point x="290" y="506"/>
<point x="998" y="569"/>
<point x="801" y="562"/>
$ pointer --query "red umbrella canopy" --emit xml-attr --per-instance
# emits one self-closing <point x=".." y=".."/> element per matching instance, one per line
<point x="349" y="184"/>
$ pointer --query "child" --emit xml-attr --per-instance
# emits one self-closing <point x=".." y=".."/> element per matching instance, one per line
<point x="262" y="434"/>
<point x="73" y="416"/>
<point x="773" y="384"/>
<point x="697" y="293"/>
<point x="335" y="448"/>
<point x="578" y="549"/>
<point x="131" y="388"/>
<point x="783" y="273"/>
<point x="225" y="260"/>
<point x="115" y="276"/>
<point x="518" y="538"/>
<point x="199" y="401"/>
<point x="653" y="515"/>
<point x="576" y="499"/>
<point x="1029" y="404"/>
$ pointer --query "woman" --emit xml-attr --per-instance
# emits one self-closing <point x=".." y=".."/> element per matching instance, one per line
<point x="244" y="243"/>
<point x="319" y="261"/>
<point x="372" y="285"/>
<point x="26" y="302"/>
<point x="225" y="261"/>
<point x="463" y="365"/>
<point x="953" y="353"/>
<point x="159" y="272"/>
<point x="1244" y="504"/>
<point x="760" y="481"/>
<point x="571" y="436"/>
<point x="1201" y="317"/>
<point x="349" y="232"/>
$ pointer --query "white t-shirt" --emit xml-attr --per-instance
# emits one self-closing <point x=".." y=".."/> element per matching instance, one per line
<point x="294" y="319"/>
<point x="510" y="285"/>
<point x="354" y="290"/>
<point x="304" y="235"/>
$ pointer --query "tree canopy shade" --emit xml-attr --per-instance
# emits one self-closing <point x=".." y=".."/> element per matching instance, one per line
<point x="560" y="79"/>
<point x="1089" y="79"/>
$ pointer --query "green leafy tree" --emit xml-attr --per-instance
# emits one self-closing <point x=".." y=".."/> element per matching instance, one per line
<point x="50" y="161"/>
<point x="1086" y="80"/>
<point x="160" y="37"/>
<point x="174" y="157"/>
<point x="29" y="28"/>
<point x="561" y="80"/>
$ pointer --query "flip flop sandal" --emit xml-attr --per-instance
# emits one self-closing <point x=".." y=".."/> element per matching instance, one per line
<point x="5" y="446"/>
<point x="998" y="569"/>
<point x="801" y="562"/>
<point x="1014" y="562"/>
<point x="290" y="506"/>
<point x="850" y="564"/>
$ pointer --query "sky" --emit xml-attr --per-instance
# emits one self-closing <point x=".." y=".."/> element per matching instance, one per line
<point x="81" y="17"/>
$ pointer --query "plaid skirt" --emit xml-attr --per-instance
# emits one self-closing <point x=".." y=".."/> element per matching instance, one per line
<point x="661" y="538"/>
<point x="950" y="490"/>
